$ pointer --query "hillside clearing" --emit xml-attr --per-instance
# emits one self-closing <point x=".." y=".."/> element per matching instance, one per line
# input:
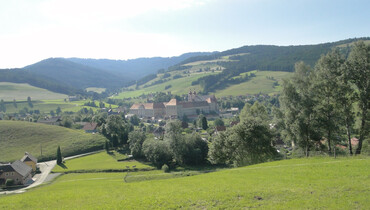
<point x="262" y="83"/>
<point x="17" y="137"/>
<point x="20" y="91"/>
<point x="314" y="183"/>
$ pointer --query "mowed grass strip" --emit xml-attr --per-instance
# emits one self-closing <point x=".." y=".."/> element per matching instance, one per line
<point x="323" y="183"/>
<point x="20" y="91"/>
<point x="17" y="137"/>
<point x="99" y="162"/>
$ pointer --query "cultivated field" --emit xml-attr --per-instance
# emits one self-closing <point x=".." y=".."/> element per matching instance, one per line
<point x="17" y="137"/>
<point x="20" y="91"/>
<point x="313" y="183"/>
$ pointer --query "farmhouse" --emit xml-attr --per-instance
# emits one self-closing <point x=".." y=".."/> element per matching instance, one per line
<point x="50" y="121"/>
<point x="18" y="171"/>
<point x="30" y="160"/>
<point x="90" y="127"/>
<point x="195" y="105"/>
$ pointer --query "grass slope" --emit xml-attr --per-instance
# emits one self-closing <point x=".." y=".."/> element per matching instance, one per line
<point x="179" y="86"/>
<point x="20" y="91"/>
<point x="16" y="137"/>
<point x="45" y="106"/>
<point x="98" y="162"/>
<point x="258" y="84"/>
<point x="323" y="183"/>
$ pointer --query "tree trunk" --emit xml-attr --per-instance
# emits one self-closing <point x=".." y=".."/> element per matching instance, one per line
<point x="349" y="138"/>
<point x="329" y="141"/>
<point x="362" y="131"/>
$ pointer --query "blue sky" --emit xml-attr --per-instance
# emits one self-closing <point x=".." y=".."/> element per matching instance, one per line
<point x="32" y="30"/>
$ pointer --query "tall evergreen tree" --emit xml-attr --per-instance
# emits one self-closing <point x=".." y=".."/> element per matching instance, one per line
<point x="59" y="156"/>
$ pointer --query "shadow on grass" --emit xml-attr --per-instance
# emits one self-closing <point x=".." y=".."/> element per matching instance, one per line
<point x="62" y="165"/>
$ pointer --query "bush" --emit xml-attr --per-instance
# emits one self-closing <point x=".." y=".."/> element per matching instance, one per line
<point x="165" y="168"/>
<point x="9" y="182"/>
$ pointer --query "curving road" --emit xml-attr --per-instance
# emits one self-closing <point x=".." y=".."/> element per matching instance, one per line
<point x="45" y="168"/>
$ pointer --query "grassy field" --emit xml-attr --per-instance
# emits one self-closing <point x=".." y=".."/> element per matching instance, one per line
<point x="98" y="162"/>
<point x="95" y="89"/>
<point x="16" y="137"/>
<point x="179" y="86"/>
<point x="314" y="183"/>
<point x="258" y="84"/>
<point x="20" y="91"/>
<point x="48" y="105"/>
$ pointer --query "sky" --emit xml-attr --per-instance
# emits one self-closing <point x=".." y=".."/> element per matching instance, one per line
<point x="33" y="30"/>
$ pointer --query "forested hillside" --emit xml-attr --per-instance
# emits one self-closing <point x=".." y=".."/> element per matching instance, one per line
<point x="136" y="68"/>
<point x="74" y="74"/>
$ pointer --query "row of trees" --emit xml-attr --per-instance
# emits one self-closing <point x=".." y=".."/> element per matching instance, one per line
<point x="174" y="148"/>
<point x="319" y="103"/>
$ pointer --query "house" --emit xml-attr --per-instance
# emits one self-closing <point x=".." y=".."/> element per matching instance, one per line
<point x="195" y="105"/>
<point x="354" y="141"/>
<point x="18" y="171"/>
<point x="90" y="127"/>
<point x="218" y="129"/>
<point x="50" y="120"/>
<point x="30" y="160"/>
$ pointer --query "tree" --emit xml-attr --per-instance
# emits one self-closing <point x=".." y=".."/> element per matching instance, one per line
<point x="219" y="122"/>
<point x="135" y="141"/>
<point x="59" y="156"/>
<point x="101" y="104"/>
<point x="157" y="152"/>
<point x="246" y="143"/>
<point x="298" y="103"/>
<point x="202" y="122"/>
<point x="58" y="110"/>
<point x="2" y="106"/>
<point x="326" y="85"/>
<point x="106" y="146"/>
<point x="257" y="110"/>
<point x="358" y="70"/>
<point x="29" y="102"/>
<point x="15" y="103"/>
<point x="52" y="113"/>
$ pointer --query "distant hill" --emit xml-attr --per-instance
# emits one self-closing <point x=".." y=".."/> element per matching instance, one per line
<point x="18" y="137"/>
<point x="260" y="57"/>
<point x="36" y="80"/>
<point x="136" y="68"/>
<point x="74" y="74"/>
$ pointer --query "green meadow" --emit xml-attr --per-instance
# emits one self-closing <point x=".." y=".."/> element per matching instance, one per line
<point x="45" y="106"/>
<point x="312" y="183"/>
<point x="179" y="86"/>
<point x="99" y="162"/>
<point x="262" y="83"/>
<point x="20" y="91"/>
<point x="17" y="137"/>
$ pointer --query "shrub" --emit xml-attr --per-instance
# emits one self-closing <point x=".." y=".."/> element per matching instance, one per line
<point x="165" y="168"/>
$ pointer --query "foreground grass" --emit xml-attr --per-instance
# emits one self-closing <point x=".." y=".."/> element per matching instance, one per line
<point x="322" y="183"/>
<point x="16" y="137"/>
<point x="98" y="162"/>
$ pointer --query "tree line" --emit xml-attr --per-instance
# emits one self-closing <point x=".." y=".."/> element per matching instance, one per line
<point x="322" y="103"/>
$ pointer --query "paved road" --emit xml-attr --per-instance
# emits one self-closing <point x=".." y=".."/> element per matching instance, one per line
<point x="45" y="168"/>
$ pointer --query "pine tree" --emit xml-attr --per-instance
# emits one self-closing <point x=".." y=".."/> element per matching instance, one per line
<point x="59" y="156"/>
